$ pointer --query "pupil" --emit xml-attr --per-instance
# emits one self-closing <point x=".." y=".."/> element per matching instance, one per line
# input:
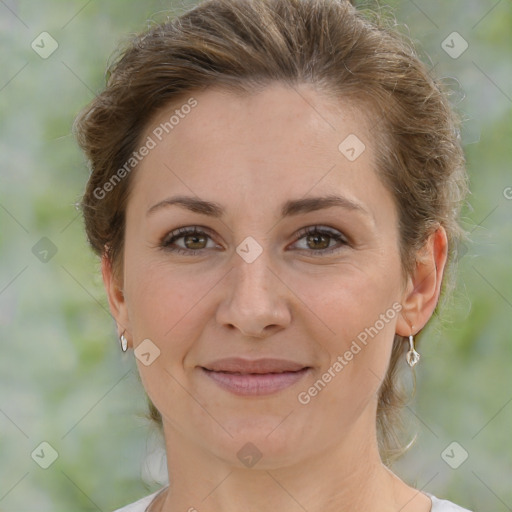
<point x="195" y="238"/>
<point x="316" y="237"/>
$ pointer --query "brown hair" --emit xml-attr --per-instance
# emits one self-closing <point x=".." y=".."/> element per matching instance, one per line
<point x="243" y="45"/>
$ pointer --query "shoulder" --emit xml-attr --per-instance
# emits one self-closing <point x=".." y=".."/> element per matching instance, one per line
<point x="439" y="505"/>
<point x="140" y="505"/>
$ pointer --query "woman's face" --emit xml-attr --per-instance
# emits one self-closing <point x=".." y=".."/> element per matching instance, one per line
<point x="251" y="285"/>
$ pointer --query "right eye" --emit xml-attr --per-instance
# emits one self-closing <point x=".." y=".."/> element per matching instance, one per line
<point x="194" y="235"/>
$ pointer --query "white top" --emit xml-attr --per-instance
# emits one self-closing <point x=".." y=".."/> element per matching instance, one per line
<point x="437" y="504"/>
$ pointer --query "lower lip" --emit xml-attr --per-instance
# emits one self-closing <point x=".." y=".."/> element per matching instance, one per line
<point x="254" y="384"/>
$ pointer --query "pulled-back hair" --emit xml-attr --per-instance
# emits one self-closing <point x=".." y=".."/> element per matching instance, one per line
<point x="245" y="45"/>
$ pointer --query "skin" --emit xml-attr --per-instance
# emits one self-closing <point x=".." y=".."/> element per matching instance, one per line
<point x="251" y="153"/>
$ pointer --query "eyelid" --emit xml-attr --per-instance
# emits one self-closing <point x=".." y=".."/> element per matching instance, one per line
<point x="186" y="230"/>
<point x="319" y="228"/>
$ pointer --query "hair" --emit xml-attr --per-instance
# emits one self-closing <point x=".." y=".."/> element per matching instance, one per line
<point x="245" y="45"/>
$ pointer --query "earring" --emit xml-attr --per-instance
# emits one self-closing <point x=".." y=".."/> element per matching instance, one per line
<point x="124" y="342"/>
<point x="412" y="356"/>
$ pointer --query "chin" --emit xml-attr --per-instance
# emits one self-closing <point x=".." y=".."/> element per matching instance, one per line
<point x="263" y="442"/>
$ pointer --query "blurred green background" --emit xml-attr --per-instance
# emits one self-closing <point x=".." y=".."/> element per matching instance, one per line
<point x="63" y="379"/>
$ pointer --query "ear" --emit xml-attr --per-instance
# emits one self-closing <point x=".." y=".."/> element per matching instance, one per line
<point x="115" y="297"/>
<point x="424" y="285"/>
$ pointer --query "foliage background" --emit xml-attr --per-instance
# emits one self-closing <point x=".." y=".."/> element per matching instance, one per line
<point x="63" y="379"/>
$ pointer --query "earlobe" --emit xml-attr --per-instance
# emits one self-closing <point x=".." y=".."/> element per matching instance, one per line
<point x="424" y="287"/>
<point x="115" y="295"/>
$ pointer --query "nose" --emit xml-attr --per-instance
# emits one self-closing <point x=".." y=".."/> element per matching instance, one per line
<point x="255" y="301"/>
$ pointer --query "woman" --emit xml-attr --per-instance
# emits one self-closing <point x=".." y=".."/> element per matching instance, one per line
<point x="274" y="195"/>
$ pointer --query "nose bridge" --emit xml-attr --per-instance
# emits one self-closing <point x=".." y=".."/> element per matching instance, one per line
<point x="252" y="277"/>
<point x="252" y="303"/>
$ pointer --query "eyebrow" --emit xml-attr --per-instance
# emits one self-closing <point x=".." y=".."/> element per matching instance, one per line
<point x="289" y="208"/>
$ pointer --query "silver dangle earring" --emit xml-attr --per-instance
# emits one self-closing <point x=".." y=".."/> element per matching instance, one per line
<point x="412" y="356"/>
<point x="124" y="342"/>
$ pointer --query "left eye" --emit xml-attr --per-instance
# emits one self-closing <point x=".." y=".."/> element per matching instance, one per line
<point x="194" y="237"/>
<point x="315" y="235"/>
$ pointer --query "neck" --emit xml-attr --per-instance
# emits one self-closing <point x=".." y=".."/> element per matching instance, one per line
<point x="349" y="476"/>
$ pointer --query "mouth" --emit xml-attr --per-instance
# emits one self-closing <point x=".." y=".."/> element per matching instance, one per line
<point x="252" y="378"/>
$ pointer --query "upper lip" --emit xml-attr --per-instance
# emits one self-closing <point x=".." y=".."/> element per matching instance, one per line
<point x="240" y="365"/>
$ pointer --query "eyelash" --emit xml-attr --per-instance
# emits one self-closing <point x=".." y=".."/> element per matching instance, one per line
<point x="311" y="230"/>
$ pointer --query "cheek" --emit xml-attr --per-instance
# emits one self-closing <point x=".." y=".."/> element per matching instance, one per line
<point x="358" y="315"/>
<point x="350" y="300"/>
<point x="157" y="297"/>
<point x="161" y="308"/>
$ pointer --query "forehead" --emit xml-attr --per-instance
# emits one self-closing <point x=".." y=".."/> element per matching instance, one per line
<point x="218" y="114"/>
<point x="258" y="147"/>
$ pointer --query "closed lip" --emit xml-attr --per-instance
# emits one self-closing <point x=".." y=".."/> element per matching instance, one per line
<point x="247" y="366"/>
